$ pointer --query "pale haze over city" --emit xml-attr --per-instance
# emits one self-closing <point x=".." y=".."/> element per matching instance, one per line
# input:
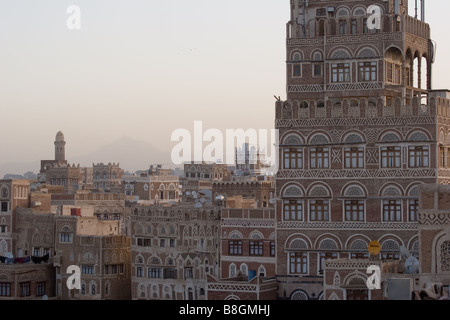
<point x="141" y="69"/>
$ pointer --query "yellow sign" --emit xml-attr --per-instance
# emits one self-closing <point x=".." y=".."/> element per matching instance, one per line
<point x="374" y="248"/>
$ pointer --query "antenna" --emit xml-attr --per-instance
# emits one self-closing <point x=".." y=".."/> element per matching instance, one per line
<point x="422" y="10"/>
<point x="422" y="4"/>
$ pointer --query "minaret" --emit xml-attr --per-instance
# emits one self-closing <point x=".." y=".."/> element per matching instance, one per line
<point x="60" y="153"/>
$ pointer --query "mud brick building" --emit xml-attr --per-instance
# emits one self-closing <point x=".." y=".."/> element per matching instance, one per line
<point x="360" y="130"/>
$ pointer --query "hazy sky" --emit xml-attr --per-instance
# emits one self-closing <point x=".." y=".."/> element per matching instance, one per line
<point x="143" y="68"/>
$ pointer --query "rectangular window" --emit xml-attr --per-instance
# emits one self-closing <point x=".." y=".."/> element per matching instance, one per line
<point x="169" y="273"/>
<point x="319" y="210"/>
<point x="5" y="289"/>
<point x="88" y="269"/>
<point x="317" y="69"/>
<point x="4" y="206"/>
<point x="319" y="158"/>
<point x="343" y="27"/>
<point x="321" y="31"/>
<point x="391" y="157"/>
<point x="326" y="256"/>
<point x="397" y="74"/>
<point x="162" y="243"/>
<point x="188" y="273"/>
<point x="390" y="256"/>
<point x="448" y="156"/>
<point x="442" y="157"/>
<point x="297" y="70"/>
<point x="359" y="255"/>
<point x="413" y="209"/>
<point x="419" y="157"/>
<point x="155" y="273"/>
<point x="393" y="73"/>
<point x="298" y="262"/>
<point x="114" y="269"/>
<point x="293" y="210"/>
<point x="172" y="243"/>
<point x="293" y="158"/>
<point x="25" y="289"/>
<point x="235" y="248"/>
<point x="354" y="26"/>
<point x="256" y="248"/>
<point x="140" y="272"/>
<point x="37" y="252"/>
<point x="392" y="211"/>
<point x="354" y="210"/>
<point x="389" y="68"/>
<point x="65" y="237"/>
<point x="365" y="27"/>
<point x="408" y="77"/>
<point x="354" y="158"/>
<point x="367" y="71"/>
<point x="40" y="289"/>
<point x="322" y="12"/>
<point x="340" y="72"/>
<point x="147" y="242"/>
<point x="272" y="249"/>
<point x="3" y="229"/>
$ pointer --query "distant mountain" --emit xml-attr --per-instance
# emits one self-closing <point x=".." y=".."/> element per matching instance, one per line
<point x="132" y="155"/>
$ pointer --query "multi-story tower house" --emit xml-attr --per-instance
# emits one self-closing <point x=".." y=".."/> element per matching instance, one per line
<point x="173" y="250"/>
<point x="360" y="130"/>
<point x="107" y="176"/>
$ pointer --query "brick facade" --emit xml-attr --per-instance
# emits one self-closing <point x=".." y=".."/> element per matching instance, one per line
<point x="359" y="133"/>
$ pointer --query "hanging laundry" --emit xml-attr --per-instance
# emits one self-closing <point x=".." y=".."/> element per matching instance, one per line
<point x="22" y="259"/>
<point x="40" y="259"/>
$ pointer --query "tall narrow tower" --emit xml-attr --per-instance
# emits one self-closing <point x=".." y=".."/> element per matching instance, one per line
<point x="360" y="131"/>
<point x="60" y="147"/>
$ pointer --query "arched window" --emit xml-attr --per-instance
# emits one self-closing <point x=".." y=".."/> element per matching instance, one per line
<point x="390" y="249"/>
<point x="354" y="204"/>
<point x="359" y="249"/>
<point x="328" y="249"/>
<point x="232" y="270"/>
<point x="444" y="259"/>
<point x="292" y="152"/>
<point x="392" y="204"/>
<point x="292" y="204"/>
<point x="299" y="295"/>
<point x="93" y="288"/>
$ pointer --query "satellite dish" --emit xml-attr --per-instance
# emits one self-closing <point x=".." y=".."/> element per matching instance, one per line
<point x="202" y="200"/>
<point x="194" y="194"/>
<point x="198" y="205"/>
<point x="272" y="201"/>
<point x="220" y="198"/>
<point x="188" y="193"/>
<point x="433" y="47"/>
<point x="412" y="265"/>
<point x="405" y="253"/>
